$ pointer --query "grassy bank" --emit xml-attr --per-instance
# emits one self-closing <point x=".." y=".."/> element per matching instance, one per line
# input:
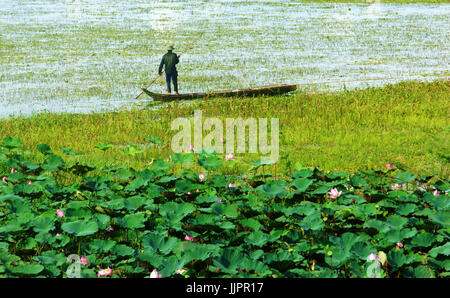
<point x="405" y="124"/>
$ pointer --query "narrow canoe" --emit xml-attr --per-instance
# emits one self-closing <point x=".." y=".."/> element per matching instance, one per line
<point x="248" y="92"/>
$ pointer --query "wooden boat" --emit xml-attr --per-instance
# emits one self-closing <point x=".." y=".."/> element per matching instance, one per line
<point x="248" y="92"/>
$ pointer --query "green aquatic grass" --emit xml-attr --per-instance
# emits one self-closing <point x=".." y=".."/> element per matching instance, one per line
<point x="405" y="124"/>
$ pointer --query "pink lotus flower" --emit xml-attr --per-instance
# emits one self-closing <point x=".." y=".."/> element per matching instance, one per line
<point x="231" y="185"/>
<point x="58" y="234"/>
<point x="222" y="140"/>
<point x="29" y="182"/>
<point x="191" y="147"/>
<point x="180" y="271"/>
<point x="105" y="272"/>
<point x="13" y="170"/>
<point x="219" y="200"/>
<point x="201" y="176"/>
<point x="399" y="244"/>
<point x="436" y="193"/>
<point x="155" y="274"/>
<point x="110" y="229"/>
<point x="334" y="193"/>
<point x="389" y="166"/>
<point x="372" y="257"/>
<point x="4" y="179"/>
<point x="229" y="156"/>
<point x="197" y="190"/>
<point x="59" y="213"/>
<point x="189" y="238"/>
<point x="395" y="186"/>
<point x="188" y="192"/>
<point x="84" y="261"/>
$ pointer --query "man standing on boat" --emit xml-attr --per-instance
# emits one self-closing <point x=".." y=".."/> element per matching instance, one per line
<point x="169" y="60"/>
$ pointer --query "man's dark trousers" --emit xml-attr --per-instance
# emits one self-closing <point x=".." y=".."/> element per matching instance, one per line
<point x="173" y="77"/>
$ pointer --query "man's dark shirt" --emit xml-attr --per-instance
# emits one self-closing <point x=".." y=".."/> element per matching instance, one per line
<point x="169" y="60"/>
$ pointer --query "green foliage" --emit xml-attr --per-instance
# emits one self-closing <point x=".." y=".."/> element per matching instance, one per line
<point x="266" y="227"/>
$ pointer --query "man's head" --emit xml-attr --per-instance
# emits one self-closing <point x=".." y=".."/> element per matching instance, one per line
<point x="170" y="47"/>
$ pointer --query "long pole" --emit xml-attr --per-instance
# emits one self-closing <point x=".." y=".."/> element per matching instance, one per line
<point x="154" y="80"/>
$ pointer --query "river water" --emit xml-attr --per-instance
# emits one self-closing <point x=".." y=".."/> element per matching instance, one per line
<point x="81" y="56"/>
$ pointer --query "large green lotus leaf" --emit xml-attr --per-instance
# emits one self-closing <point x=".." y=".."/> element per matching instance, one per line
<point x="443" y="250"/>
<point x="44" y="223"/>
<point x="103" y="221"/>
<point x="406" y="209"/>
<point x="53" y="162"/>
<point x="210" y="162"/>
<point x="205" y="219"/>
<point x="184" y="186"/>
<point x="100" y="246"/>
<point x="170" y="266"/>
<point x="189" y="251"/>
<point x="303" y="173"/>
<point x="363" y="250"/>
<point x="77" y="213"/>
<point x="136" y="184"/>
<point x="396" y="221"/>
<point x="423" y="240"/>
<point x="134" y="203"/>
<point x="440" y="203"/>
<point x="11" y="226"/>
<point x="159" y="242"/>
<point x="337" y="258"/>
<point x="322" y="189"/>
<point x="28" y="189"/>
<point x="133" y="221"/>
<point x="302" y="184"/>
<point x="27" y="269"/>
<point x="6" y="257"/>
<point x="395" y="236"/>
<point x="404" y="177"/>
<point x="178" y="210"/>
<point x="379" y="225"/>
<point x="51" y="257"/>
<point x="423" y="271"/>
<point x="44" y="149"/>
<point x="159" y="164"/>
<point x="365" y="211"/>
<point x="312" y="222"/>
<point x="225" y="209"/>
<point x="229" y="260"/>
<point x="19" y="206"/>
<point x="80" y="227"/>
<point x="259" y="267"/>
<point x="10" y="143"/>
<point x="397" y="258"/>
<point x="346" y="241"/>
<point x="25" y="244"/>
<point x="182" y="158"/>
<point x="206" y="198"/>
<point x="263" y="161"/>
<point x="273" y="189"/>
<point x="305" y="208"/>
<point x="115" y="204"/>
<point x="358" y="181"/>
<point x="251" y="223"/>
<point x="77" y="204"/>
<point x="257" y="238"/>
<point x="150" y="256"/>
<point x="122" y="250"/>
<point x="442" y="218"/>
